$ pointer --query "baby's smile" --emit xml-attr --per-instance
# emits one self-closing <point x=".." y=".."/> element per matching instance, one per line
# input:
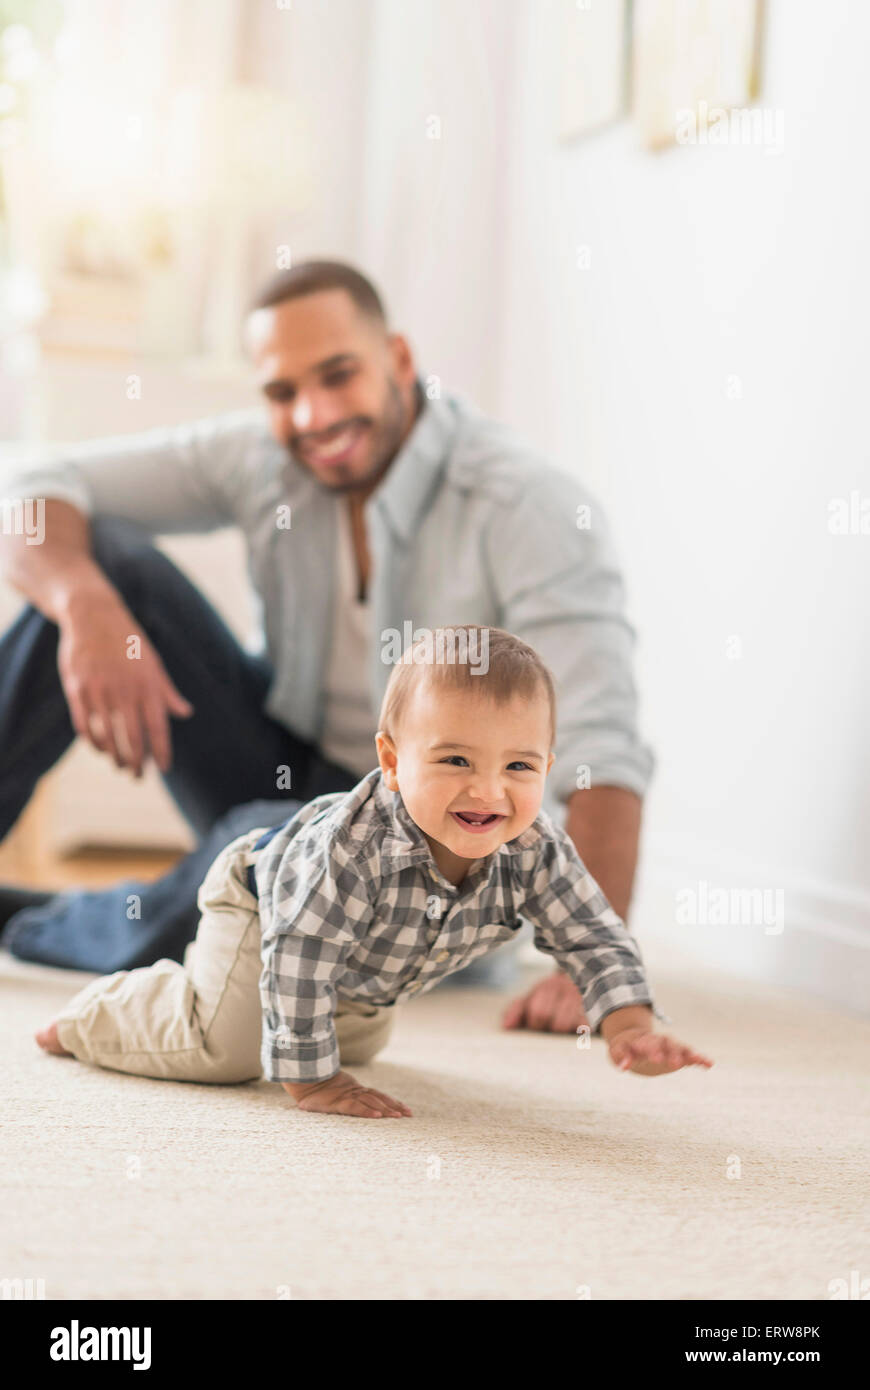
<point x="478" y="822"/>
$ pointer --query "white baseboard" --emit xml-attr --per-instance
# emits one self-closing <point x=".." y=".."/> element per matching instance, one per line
<point x="818" y="943"/>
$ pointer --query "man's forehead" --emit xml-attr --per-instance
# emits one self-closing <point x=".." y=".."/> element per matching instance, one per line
<point x="303" y="332"/>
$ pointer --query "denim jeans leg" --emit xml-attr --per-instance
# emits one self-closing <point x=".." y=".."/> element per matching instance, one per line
<point x="134" y="923"/>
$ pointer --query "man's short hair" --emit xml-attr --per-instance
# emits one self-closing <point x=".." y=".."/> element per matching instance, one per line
<point x="310" y="277"/>
<point x="512" y="668"/>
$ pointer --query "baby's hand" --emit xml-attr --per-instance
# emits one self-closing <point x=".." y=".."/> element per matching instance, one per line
<point x="651" y="1054"/>
<point x="343" y="1095"/>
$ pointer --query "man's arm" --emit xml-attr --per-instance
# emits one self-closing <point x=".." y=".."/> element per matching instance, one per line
<point x="190" y="478"/>
<point x="186" y="478"/>
<point x="604" y="823"/>
<point x="120" y="706"/>
<point x="48" y="574"/>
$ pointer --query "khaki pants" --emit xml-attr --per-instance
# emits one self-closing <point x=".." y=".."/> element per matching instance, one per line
<point x="201" y="1021"/>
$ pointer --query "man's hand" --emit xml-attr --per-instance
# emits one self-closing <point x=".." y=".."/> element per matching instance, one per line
<point x="604" y="823"/>
<point x="342" y="1094"/>
<point x="119" y="694"/>
<point x="652" y="1054"/>
<point x="553" y="1005"/>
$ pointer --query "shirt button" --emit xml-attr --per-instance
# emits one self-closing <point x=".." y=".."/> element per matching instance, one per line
<point x="442" y="955"/>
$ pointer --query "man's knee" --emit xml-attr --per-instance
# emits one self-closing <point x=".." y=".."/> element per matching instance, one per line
<point x="118" y="544"/>
<point x="142" y="574"/>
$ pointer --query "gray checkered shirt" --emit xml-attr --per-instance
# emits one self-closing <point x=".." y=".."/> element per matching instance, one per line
<point x="352" y="904"/>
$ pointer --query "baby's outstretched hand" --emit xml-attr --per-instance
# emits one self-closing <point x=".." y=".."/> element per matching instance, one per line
<point x="652" y="1054"/>
<point x="342" y="1094"/>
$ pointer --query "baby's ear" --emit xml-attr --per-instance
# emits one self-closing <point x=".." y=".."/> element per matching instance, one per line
<point x="387" y="758"/>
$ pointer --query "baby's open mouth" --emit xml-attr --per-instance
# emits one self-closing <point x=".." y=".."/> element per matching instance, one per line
<point x="476" y="821"/>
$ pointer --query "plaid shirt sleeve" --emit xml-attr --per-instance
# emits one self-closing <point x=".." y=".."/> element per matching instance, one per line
<point x="574" y="923"/>
<point x="317" y="910"/>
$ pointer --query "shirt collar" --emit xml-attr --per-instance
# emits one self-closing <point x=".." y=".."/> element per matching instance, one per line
<point x="411" y="477"/>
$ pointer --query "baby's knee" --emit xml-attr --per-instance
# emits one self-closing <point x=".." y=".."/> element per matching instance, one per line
<point x="226" y="1071"/>
<point x="204" y="1066"/>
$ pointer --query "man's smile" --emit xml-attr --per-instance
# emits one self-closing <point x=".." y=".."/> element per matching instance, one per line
<point x="334" y="446"/>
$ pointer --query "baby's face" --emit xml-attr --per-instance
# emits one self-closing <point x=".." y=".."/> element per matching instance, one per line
<point x="470" y="771"/>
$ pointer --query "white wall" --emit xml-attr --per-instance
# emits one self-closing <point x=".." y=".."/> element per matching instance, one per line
<point x="706" y="264"/>
<point x="317" y="53"/>
<point x="433" y="208"/>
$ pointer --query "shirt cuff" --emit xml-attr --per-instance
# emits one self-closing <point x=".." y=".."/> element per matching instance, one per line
<point x="602" y="1013"/>
<point x="46" y="488"/>
<point x="299" y="1057"/>
<point x="632" y="770"/>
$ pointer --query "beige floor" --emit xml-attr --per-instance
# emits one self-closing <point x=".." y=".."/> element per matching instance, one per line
<point x="530" y="1170"/>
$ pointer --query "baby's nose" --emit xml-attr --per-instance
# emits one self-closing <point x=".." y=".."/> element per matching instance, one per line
<point x="487" y="789"/>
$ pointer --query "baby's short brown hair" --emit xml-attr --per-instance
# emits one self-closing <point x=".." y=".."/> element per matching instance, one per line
<point x="483" y="660"/>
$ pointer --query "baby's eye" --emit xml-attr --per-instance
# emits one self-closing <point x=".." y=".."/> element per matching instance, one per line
<point x="520" y="767"/>
<point x="456" y="759"/>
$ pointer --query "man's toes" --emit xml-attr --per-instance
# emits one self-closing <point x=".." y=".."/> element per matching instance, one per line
<point x="50" y="1042"/>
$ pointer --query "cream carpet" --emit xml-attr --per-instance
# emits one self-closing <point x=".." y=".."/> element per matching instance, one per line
<point x="531" y="1170"/>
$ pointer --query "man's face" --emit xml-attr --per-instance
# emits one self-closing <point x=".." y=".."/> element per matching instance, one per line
<point x="339" y="388"/>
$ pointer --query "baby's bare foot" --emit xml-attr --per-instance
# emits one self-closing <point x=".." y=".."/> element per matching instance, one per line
<point x="50" y="1042"/>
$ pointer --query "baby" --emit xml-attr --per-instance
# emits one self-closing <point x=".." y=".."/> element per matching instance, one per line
<point x="311" y="933"/>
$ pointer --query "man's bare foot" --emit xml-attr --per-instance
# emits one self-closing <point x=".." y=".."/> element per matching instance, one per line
<point x="50" y="1042"/>
<point x="553" y="1005"/>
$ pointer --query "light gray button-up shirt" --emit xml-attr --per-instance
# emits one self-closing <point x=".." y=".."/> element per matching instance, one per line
<point x="468" y="526"/>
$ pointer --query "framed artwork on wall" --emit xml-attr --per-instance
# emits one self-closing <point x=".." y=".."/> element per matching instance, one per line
<point x="593" y="65"/>
<point x="671" y="64"/>
<point x="691" y="58"/>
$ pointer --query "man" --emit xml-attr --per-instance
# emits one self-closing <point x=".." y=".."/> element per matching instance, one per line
<point x="369" y="510"/>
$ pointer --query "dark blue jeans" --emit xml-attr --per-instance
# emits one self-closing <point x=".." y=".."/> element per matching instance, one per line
<point x="225" y="759"/>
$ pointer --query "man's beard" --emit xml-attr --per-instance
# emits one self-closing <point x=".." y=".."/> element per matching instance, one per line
<point x="386" y="436"/>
